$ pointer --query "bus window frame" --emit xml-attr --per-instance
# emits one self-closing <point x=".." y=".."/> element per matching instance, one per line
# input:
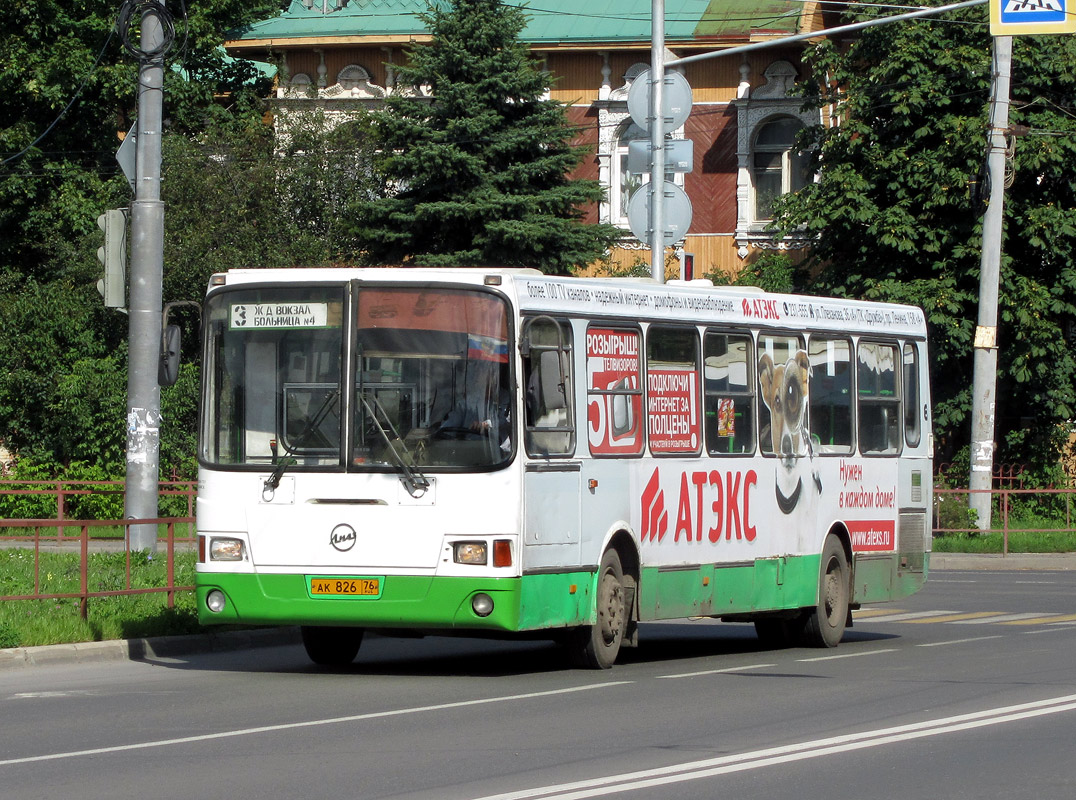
<point x="818" y="448"/>
<point x="898" y="379"/>
<point x="566" y="350"/>
<point x="911" y="410"/>
<point x="638" y="391"/>
<point x="696" y="368"/>
<point x="511" y="340"/>
<point x="751" y="394"/>
<point x="206" y="414"/>
<point x="801" y="337"/>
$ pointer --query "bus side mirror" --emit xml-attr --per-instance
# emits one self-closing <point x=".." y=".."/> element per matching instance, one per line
<point x="168" y="366"/>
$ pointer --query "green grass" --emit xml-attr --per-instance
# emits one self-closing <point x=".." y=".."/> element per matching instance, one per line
<point x="1061" y="541"/>
<point x="25" y="623"/>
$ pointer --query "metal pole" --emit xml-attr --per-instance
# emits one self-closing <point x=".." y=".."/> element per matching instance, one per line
<point x="144" y="304"/>
<point x="657" y="140"/>
<point x="984" y="386"/>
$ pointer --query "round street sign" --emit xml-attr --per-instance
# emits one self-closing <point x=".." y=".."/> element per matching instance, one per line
<point x="677" y="214"/>
<point x="676" y="101"/>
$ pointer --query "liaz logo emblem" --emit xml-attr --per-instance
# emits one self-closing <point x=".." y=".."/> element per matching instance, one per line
<point x="343" y="537"/>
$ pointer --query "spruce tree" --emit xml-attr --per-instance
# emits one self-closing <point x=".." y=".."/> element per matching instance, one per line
<point x="479" y="156"/>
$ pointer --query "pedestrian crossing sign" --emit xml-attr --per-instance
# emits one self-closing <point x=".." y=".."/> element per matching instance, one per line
<point x="1016" y="17"/>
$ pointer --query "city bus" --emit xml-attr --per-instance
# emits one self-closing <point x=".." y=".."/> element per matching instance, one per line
<point x="498" y="452"/>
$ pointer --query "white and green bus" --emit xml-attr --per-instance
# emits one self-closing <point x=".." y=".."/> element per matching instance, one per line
<point x="501" y="452"/>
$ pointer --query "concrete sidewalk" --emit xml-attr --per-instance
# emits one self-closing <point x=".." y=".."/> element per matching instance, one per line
<point x="178" y="646"/>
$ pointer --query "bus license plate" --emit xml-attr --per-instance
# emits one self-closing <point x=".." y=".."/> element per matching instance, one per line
<point x="345" y="587"/>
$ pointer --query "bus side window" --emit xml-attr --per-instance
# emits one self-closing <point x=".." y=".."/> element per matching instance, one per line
<point x="672" y="377"/>
<point x="548" y="418"/>
<point x="879" y="400"/>
<point x="729" y="396"/>
<point x="912" y="424"/>
<point x="782" y="367"/>
<point x="831" y="394"/>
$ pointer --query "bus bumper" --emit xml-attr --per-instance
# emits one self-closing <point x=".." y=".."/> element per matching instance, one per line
<point x="404" y="602"/>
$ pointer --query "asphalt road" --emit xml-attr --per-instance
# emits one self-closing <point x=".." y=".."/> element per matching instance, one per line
<point x="967" y="690"/>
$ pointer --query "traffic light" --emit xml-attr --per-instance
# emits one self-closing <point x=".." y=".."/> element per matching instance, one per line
<point x="113" y="257"/>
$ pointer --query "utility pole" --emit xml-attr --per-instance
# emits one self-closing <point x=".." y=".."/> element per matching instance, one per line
<point x="657" y="140"/>
<point x="144" y="304"/>
<point x="984" y="385"/>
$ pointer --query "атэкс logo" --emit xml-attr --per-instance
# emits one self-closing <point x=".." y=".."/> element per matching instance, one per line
<point x="655" y="520"/>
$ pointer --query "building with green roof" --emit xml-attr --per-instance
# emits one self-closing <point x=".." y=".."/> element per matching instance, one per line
<point x="342" y="54"/>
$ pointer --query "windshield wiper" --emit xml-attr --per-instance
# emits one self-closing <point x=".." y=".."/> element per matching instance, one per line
<point x="413" y="480"/>
<point x="273" y="481"/>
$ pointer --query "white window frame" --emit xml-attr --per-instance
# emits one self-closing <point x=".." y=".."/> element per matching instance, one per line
<point x="755" y="108"/>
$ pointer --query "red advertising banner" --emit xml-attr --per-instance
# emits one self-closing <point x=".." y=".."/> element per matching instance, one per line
<point x="872" y="535"/>
<point x="672" y="404"/>
<point x="614" y="404"/>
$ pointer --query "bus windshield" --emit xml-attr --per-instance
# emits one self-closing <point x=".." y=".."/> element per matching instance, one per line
<point x="430" y="382"/>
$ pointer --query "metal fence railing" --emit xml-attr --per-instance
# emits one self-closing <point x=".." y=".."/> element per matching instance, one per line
<point x="85" y="545"/>
<point x="1053" y="506"/>
<point x="86" y="500"/>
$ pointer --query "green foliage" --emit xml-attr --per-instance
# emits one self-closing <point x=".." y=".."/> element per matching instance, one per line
<point x="896" y="212"/>
<point x="481" y="168"/>
<point x="773" y="272"/>
<point x="63" y="356"/>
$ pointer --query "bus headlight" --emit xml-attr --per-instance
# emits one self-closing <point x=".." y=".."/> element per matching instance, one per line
<point x="214" y="601"/>
<point x="225" y="549"/>
<point x="469" y="552"/>
<point x="482" y="605"/>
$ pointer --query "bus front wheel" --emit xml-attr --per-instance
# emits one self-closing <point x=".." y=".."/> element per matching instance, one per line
<point x="331" y="646"/>
<point x="597" y="646"/>
<point x="824" y="624"/>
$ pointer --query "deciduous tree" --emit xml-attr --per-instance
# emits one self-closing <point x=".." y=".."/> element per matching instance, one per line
<point x="897" y="210"/>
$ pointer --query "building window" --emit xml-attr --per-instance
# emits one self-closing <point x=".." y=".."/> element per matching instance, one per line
<point x="777" y="167"/>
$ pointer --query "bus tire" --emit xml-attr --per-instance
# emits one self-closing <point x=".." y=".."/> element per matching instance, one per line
<point x="824" y="624"/>
<point x="331" y="646"/>
<point x="597" y="646"/>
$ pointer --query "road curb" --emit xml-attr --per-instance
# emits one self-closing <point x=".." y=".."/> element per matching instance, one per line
<point x="145" y="649"/>
<point x="996" y="561"/>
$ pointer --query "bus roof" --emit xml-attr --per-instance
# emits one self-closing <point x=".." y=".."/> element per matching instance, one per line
<point x="629" y="299"/>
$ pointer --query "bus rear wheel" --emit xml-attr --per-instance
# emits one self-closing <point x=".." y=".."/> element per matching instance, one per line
<point x="331" y="646"/>
<point x="824" y="624"/>
<point x="597" y="646"/>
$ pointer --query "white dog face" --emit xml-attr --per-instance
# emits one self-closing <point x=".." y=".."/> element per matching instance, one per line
<point x="784" y="391"/>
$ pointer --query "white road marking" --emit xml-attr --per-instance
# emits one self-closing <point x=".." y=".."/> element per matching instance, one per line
<point x="707" y="768"/>
<point x="849" y="655"/>
<point x="314" y="723"/>
<point x="717" y="671"/>
<point x="957" y="641"/>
